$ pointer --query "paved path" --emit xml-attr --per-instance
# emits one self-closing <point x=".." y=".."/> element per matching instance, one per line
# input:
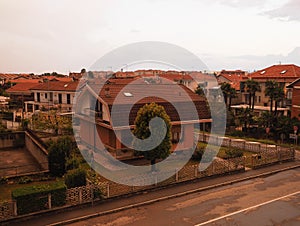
<point x="15" y="161"/>
<point x="85" y="210"/>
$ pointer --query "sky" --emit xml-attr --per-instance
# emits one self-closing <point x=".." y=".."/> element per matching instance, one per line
<point x="66" y="35"/>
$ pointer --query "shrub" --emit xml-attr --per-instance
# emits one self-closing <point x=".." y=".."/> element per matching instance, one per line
<point x="25" y="180"/>
<point x="234" y="152"/>
<point x="75" y="178"/>
<point x="3" y="180"/>
<point x="72" y="163"/>
<point x="35" y="198"/>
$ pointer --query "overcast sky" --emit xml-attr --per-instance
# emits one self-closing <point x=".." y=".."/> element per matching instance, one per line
<point x="67" y="35"/>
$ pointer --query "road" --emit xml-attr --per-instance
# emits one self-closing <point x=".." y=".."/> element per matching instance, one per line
<point x="272" y="200"/>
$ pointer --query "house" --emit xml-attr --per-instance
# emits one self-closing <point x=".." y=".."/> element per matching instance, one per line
<point x="53" y="94"/>
<point x="21" y="93"/>
<point x="283" y="74"/>
<point x="131" y="98"/>
<point x="295" y="98"/>
<point x="234" y="78"/>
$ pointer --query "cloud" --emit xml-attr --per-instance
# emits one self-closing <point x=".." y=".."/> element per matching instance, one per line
<point x="289" y="11"/>
<point x="251" y="62"/>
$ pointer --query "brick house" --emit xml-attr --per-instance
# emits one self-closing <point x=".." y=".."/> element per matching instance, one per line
<point x="182" y="127"/>
<point x="295" y="98"/>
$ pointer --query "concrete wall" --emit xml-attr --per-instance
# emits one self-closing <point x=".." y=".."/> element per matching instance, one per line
<point x="12" y="139"/>
<point x="37" y="150"/>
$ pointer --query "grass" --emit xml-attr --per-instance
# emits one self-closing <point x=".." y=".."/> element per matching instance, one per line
<point x="6" y="189"/>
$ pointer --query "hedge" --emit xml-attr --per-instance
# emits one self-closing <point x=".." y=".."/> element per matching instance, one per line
<point x="75" y="178"/>
<point x="35" y="198"/>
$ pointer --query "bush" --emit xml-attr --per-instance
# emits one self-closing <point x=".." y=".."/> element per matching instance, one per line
<point x="25" y="180"/>
<point x="72" y="163"/>
<point x="203" y="153"/>
<point x="35" y="198"/>
<point x="3" y="180"/>
<point x="75" y="178"/>
<point x="234" y="152"/>
<point x="237" y="133"/>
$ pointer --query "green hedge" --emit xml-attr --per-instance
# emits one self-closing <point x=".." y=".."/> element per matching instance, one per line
<point x="35" y="198"/>
<point x="75" y="178"/>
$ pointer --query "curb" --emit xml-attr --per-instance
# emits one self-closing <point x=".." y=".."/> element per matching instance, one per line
<point x="171" y="196"/>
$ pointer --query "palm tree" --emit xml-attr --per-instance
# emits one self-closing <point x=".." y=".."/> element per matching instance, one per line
<point x="279" y="96"/>
<point x="245" y="117"/>
<point x="232" y="94"/>
<point x="274" y="92"/>
<point x="252" y="87"/>
<point x="228" y="93"/>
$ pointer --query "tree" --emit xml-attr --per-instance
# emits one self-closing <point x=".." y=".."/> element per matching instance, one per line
<point x="58" y="153"/>
<point x="252" y="87"/>
<point x="142" y="132"/>
<point x="278" y="97"/>
<point x="229" y="93"/>
<point x="200" y="91"/>
<point x="245" y="117"/>
<point x="270" y="92"/>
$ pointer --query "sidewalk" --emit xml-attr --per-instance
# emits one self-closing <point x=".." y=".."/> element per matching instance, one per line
<point x="131" y="201"/>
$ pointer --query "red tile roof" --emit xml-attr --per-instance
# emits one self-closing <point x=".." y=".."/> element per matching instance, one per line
<point x="153" y="93"/>
<point x="57" y="86"/>
<point x="55" y="78"/>
<point x="234" y="77"/>
<point x="288" y="72"/>
<point x="23" y="80"/>
<point x="21" y="88"/>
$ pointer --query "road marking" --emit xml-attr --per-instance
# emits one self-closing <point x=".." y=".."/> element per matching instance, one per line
<point x="249" y="208"/>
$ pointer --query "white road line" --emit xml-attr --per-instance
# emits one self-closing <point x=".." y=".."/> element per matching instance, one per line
<point x="249" y="208"/>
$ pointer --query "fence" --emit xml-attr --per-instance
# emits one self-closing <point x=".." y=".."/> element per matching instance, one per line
<point x="272" y="156"/>
<point x="250" y="146"/>
<point x="7" y="210"/>
<point x="189" y="172"/>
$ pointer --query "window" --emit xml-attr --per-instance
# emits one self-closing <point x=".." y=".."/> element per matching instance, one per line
<point x="38" y="97"/>
<point x="60" y="98"/>
<point x="126" y="94"/>
<point x="46" y="95"/>
<point x="68" y="98"/>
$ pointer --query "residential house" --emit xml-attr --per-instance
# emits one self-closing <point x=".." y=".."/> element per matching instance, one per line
<point x="21" y="93"/>
<point x="53" y="94"/>
<point x="294" y="88"/>
<point x="283" y="74"/>
<point x="129" y="99"/>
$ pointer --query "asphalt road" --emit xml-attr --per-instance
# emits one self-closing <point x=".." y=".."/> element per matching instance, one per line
<point x="272" y="200"/>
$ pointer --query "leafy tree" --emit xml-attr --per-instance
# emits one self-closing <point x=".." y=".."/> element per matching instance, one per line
<point x="252" y="87"/>
<point x="142" y="132"/>
<point x="58" y="153"/>
<point x="200" y="91"/>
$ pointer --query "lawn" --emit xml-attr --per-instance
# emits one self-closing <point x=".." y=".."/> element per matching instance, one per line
<point x="6" y="189"/>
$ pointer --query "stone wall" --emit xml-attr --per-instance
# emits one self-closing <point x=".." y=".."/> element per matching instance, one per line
<point x="37" y="150"/>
